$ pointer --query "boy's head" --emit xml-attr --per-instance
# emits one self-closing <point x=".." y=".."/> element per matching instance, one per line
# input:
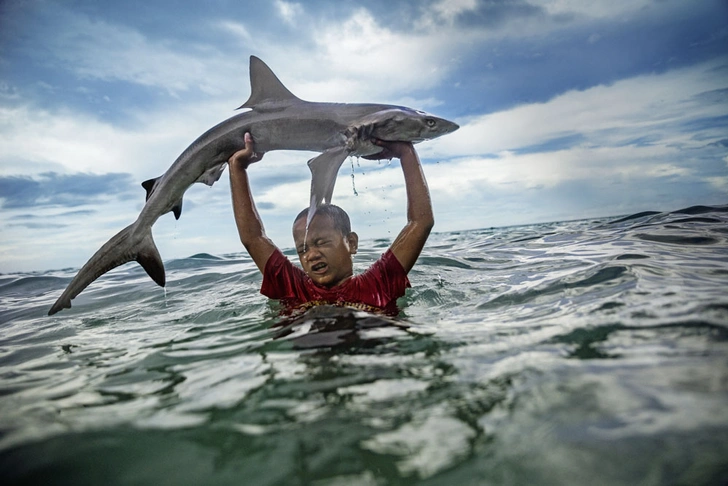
<point x="338" y="217"/>
<point x="326" y="253"/>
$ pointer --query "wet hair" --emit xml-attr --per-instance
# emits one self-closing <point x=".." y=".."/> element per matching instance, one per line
<point x="337" y="215"/>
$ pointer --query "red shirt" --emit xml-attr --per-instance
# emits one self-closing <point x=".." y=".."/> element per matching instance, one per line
<point x="376" y="289"/>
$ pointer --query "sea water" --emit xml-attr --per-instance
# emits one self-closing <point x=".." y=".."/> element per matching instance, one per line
<point x="585" y="352"/>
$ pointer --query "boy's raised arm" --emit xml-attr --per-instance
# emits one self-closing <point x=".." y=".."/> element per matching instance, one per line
<point x="420" y="219"/>
<point x="250" y="227"/>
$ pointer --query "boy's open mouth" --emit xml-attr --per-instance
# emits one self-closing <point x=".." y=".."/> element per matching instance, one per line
<point x="318" y="266"/>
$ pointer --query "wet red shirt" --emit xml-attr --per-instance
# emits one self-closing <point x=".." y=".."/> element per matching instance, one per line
<point x="377" y="289"/>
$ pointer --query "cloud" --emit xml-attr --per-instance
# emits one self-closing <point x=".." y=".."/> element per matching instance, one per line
<point x="44" y="221"/>
<point x="663" y="107"/>
<point x="567" y="108"/>
<point x="37" y="225"/>
<point x="34" y="140"/>
<point x="353" y="67"/>
<point x="472" y="13"/>
<point x="289" y="11"/>
<point x="68" y="190"/>
<point x="96" y="49"/>
<point x="599" y="9"/>
<point x="237" y="29"/>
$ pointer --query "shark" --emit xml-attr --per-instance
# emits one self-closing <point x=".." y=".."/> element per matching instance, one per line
<point x="276" y="120"/>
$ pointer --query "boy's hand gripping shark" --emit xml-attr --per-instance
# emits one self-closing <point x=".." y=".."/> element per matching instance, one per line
<point x="277" y="120"/>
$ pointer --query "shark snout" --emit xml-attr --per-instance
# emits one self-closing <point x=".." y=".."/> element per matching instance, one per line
<point x="450" y="127"/>
<point x="445" y="126"/>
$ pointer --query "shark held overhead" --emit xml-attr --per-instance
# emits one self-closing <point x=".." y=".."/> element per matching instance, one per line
<point x="277" y="120"/>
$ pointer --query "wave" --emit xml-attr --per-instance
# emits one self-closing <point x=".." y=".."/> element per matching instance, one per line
<point x="573" y="331"/>
<point x="30" y="284"/>
<point x="659" y="216"/>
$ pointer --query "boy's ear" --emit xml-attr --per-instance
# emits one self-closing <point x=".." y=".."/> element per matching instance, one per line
<point x="353" y="240"/>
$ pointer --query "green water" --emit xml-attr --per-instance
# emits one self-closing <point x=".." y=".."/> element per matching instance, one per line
<point x="589" y="352"/>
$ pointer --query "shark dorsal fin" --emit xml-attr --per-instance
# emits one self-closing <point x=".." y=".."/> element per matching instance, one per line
<point x="265" y="86"/>
<point x="148" y="186"/>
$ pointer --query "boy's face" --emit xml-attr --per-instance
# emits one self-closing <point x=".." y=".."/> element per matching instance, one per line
<point x="326" y="255"/>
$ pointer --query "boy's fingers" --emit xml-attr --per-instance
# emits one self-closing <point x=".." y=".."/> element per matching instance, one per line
<point x="249" y="145"/>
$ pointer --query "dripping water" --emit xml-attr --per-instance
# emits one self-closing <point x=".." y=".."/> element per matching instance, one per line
<point x="353" y="184"/>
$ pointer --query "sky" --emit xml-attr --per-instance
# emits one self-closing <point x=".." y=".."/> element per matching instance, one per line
<point x="568" y="110"/>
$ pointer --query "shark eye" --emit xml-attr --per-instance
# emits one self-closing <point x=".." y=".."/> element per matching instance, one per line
<point x="430" y="122"/>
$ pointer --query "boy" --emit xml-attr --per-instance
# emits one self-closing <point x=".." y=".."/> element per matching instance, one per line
<point x="326" y="251"/>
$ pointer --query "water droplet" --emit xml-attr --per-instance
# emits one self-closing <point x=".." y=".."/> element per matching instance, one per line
<point x="353" y="185"/>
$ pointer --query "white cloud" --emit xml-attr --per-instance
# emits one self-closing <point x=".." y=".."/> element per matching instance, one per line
<point x="643" y="106"/>
<point x="50" y="141"/>
<point x="468" y="189"/>
<point x="484" y="177"/>
<point x="444" y="11"/>
<point x="99" y="50"/>
<point x="237" y="29"/>
<point x="74" y="142"/>
<point x="356" y="59"/>
<point x="289" y="11"/>
<point x="465" y="177"/>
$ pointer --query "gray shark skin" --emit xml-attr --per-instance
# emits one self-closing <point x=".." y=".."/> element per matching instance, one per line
<point x="277" y="120"/>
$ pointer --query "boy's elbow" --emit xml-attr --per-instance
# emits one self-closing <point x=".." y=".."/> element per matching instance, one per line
<point x="248" y="238"/>
<point x="426" y="224"/>
<point x="427" y="220"/>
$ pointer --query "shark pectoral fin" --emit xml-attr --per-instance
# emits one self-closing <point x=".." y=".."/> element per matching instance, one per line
<point x="323" y="173"/>
<point x="311" y="211"/>
<point x="148" y="186"/>
<point x="212" y="175"/>
<point x="177" y="209"/>
<point x="323" y="176"/>
<point x="148" y="257"/>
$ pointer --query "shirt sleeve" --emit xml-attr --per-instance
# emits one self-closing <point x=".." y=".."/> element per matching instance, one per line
<point x="389" y="277"/>
<point x="281" y="278"/>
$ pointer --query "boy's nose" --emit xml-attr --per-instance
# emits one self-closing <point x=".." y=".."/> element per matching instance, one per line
<point x="312" y="254"/>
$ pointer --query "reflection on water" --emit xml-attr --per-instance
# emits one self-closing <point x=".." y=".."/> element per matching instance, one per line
<point x="564" y="353"/>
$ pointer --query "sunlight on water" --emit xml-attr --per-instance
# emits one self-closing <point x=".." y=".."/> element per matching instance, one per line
<point x="585" y="352"/>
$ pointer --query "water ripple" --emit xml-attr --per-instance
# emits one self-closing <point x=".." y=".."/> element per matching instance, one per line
<point x="531" y="354"/>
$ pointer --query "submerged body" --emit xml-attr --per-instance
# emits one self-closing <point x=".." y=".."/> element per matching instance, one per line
<point x="327" y="326"/>
<point x="278" y="120"/>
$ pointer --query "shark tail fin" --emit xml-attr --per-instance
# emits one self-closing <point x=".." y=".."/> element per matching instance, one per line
<point x="124" y="247"/>
<point x="265" y="85"/>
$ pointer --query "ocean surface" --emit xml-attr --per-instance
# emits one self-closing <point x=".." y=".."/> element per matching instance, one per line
<point x="584" y="352"/>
